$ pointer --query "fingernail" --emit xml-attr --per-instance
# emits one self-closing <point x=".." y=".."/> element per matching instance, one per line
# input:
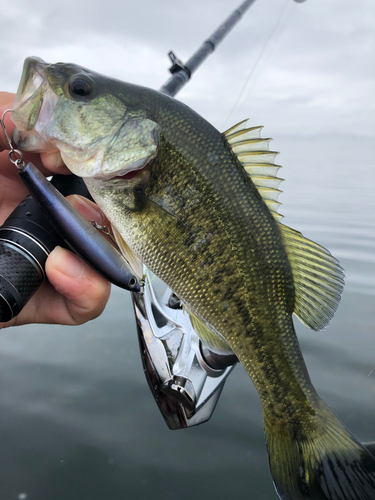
<point x="88" y="210"/>
<point x="67" y="263"/>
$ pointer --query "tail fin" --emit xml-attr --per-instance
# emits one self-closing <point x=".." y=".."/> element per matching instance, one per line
<point x="370" y="447"/>
<point x="319" y="461"/>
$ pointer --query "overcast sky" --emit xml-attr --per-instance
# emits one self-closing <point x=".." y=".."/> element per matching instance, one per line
<point x="316" y="60"/>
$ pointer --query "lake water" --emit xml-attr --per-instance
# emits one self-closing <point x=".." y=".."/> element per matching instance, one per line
<point x="78" y="422"/>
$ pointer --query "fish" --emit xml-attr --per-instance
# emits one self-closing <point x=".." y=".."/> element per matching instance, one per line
<point x="199" y="208"/>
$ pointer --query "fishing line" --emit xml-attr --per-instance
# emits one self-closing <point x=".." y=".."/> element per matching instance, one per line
<point x="255" y="65"/>
<point x="149" y="281"/>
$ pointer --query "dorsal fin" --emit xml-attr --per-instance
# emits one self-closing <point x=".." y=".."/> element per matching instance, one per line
<point x="317" y="275"/>
<point x="238" y="127"/>
<point x="258" y="161"/>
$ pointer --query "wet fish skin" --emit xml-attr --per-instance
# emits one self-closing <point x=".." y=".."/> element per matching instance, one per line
<point x="243" y="299"/>
<point x="183" y="204"/>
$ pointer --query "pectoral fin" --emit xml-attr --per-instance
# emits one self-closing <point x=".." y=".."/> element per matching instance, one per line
<point x="128" y="254"/>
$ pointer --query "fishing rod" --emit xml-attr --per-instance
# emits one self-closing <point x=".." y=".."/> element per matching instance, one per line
<point x="183" y="72"/>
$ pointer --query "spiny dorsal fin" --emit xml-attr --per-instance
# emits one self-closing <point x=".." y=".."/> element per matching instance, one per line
<point x="258" y="161"/>
<point x="318" y="279"/>
<point x="236" y="128"/>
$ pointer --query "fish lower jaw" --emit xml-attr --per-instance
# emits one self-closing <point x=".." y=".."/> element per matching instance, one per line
<point x="31" y="141"/>
<point x="83" y="166"/>
<point x="126" y="173"/>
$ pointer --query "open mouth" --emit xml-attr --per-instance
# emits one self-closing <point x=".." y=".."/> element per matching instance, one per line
<point x="128" y="176"/>
<point x="129" y="173"/>
<point x="34" y="103"/>
<point x="29" y="97"/>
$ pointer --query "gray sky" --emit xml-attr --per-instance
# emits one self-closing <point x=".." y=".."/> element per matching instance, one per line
<point x="315" y="76"/>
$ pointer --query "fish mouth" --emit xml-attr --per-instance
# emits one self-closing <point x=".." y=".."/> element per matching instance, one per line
<point x="33" y="106"/>
<point x="129" y="172"/>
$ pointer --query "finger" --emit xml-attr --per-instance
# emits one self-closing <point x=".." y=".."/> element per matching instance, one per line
<point x="83" y="293"/>
<point x="92" y="212"/>
<point x="48" y="163"/>
<point x="53" y="162"/>
<point x="6" y="102"/>
<point x="75" y="292"/>
<point x="87" y="208"/>
<point x="12" y="189"/>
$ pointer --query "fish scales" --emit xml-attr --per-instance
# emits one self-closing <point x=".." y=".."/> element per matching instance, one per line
<point x="236" y="204"/>
<point x="255" y="275"/>
<point x="183" y="204"/>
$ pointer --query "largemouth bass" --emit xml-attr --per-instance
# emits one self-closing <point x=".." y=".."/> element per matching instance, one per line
<point x="199" y="209"/>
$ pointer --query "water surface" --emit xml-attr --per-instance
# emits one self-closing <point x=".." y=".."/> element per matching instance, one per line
<point x="77" y="420"/>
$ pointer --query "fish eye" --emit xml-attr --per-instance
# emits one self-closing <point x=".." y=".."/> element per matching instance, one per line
<point x="80" y="87"/>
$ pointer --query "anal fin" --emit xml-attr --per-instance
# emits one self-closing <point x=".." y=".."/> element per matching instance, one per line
<point x="208" y="337"/>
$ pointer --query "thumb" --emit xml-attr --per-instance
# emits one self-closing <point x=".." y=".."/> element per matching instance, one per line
<point x="74" y="293"/>
<point x="82" y="294"/>
<point x="85" y="292"/>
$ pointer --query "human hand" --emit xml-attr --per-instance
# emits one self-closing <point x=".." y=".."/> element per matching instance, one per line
<point x="74" y="293"/>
